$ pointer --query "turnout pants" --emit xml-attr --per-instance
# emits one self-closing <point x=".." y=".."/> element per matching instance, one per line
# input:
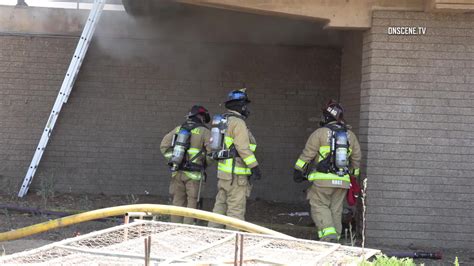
<point x="184" y="192"/>
<point x="231" y="198"/>
<point x="326" y="210"/>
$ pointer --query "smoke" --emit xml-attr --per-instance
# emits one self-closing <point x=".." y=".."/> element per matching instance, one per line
<point x="193" y="26"/>
<point x="200" y="43"/>
<point x="207" y="52"/>
<point x="153" y="69"/>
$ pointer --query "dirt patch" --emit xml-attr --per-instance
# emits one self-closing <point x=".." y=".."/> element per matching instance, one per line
<point x="291" y="219"/>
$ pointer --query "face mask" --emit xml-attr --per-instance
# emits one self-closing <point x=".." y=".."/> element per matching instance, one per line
<point x="323" y="121"/>
<point x="245" y="111"/>
<point x="326" y="119"/>
<point x="206" y="118"/>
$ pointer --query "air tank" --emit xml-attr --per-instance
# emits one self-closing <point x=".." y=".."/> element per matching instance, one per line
<point x="216" y="133"/>
<point x="342" y="146"/>
<point x="179" y="150"/>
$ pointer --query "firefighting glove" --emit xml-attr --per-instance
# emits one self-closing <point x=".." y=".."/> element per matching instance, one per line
<point x="298" y="176"/>
<point x="256" y="174"/>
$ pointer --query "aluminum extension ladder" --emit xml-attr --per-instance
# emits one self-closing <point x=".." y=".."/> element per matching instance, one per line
<point x="65" y="90"/>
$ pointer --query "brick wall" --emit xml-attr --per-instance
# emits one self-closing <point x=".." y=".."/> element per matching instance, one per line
<point x="351" y="65"/>
<point x="31" y="72"/>
<point x="417" y="121"/>
<point x="131" y="91"/>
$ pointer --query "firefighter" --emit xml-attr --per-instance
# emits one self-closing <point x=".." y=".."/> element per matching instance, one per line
<point x="238" y="167"/>
<point x="185" y="148"/>
<point x="334" y="151"/>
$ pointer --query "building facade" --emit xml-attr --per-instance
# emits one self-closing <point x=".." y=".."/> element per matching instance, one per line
<point x="408" y="97"/>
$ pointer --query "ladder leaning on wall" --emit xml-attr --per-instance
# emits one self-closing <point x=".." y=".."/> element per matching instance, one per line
<point x="65" y="90"/>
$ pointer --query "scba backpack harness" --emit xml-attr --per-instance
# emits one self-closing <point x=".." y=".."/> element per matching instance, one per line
<point x="337" y="161"/>
<point x="223" y="148"/>
<point x="219" y="151"/>
<point x="181" y="145"/>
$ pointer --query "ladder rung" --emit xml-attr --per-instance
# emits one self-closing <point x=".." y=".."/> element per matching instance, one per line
<point x="66" y="87"/>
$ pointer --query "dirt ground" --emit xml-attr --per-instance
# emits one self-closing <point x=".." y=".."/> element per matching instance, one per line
<point x="291" y="219"/>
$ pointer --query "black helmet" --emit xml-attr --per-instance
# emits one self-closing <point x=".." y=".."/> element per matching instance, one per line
<point x="199" y="110"/>
<point x="333" y="111"/>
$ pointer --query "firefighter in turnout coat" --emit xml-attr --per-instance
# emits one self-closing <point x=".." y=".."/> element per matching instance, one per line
<point x="330" y="181"/>
<point x="187" y="175"/>
<point x="236" y="170"/>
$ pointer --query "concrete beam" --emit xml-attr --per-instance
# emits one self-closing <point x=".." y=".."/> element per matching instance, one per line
<point x="462" y="6"/>
<point x="40" y="20"/>
<point x="344" y="14"/>
<point x="208" y="25"/>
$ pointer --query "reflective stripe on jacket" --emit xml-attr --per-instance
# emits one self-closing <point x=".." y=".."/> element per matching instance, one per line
<point x="317" y="145"/>
<point x="199" y="140"/>
<point x="226" y="165"/>
<point x="325" y="151"/>
<point x="238" y="136"/>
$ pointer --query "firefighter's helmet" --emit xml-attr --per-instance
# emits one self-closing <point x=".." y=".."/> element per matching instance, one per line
<point x="238" y="95"/>
<point x="200" y="110"/>
<point x="335" y="110"/>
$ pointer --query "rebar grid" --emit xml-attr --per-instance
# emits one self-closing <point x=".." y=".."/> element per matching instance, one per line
<point x="175" y="243"/>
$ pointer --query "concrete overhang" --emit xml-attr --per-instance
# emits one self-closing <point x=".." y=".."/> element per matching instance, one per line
<point x="342" y="14"/>
<point x="450" y="5"/>
<point x="37" y="20"/>
<point x="193" y="24"/>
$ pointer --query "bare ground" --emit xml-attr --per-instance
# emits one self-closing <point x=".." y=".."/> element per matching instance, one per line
<point x="270" y="214"/>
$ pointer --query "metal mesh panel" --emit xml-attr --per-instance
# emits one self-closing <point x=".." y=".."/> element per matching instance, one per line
<point x="176" y="243"/>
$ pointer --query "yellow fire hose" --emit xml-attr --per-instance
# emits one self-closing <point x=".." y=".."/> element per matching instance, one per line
<point x="121" y="210"/>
